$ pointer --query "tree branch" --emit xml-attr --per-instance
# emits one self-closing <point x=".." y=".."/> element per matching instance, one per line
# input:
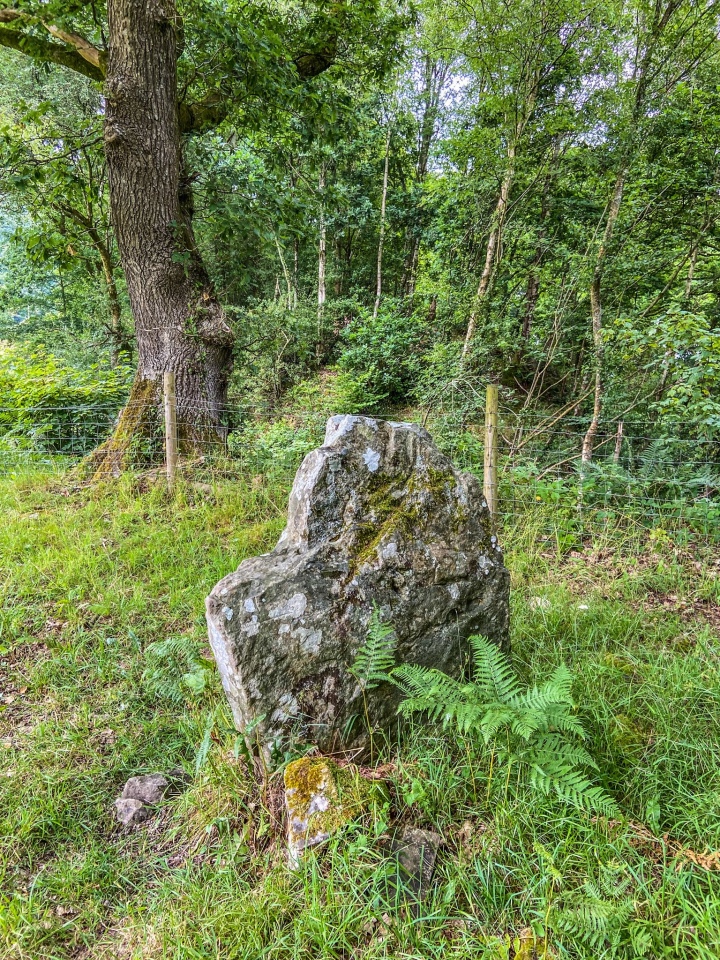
<point x="313" y="63"/>
<point x="196" y="117"/>
<point x="86" y="50"/>
<point x="83" y="57"/>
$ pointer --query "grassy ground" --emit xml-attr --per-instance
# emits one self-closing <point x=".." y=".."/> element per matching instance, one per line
<point x="94" y="579"/>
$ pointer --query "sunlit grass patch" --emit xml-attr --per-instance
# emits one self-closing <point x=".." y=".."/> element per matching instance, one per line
<point x="102" y="623"/>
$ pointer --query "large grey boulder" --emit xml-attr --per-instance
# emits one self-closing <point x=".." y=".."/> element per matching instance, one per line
<point x="377" y="516"/>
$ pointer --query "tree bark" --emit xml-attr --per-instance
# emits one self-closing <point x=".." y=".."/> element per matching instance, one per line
<point x="381" y="239"/>
<point x="493" y="246"/>
<point x="322" y="263"/>
<point x="179" y="324"/>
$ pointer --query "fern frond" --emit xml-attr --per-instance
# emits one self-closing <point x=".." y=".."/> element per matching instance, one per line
<point x="535" y="728"/>
<point x="174" y="667"/>
<point x="493" y="674"/>
<point x="496" y="716"/>
<point x="594" y="920"/>
<point x="570" y="786"/>
<point x="554" y="745"/>
<point x="376" y="656"/>
<point x="429" y="691"/>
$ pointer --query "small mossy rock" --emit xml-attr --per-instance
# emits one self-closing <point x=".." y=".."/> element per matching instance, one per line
<point x="321" y="797"/>
<point x="416" y="855"/>
<point x="378" y="517"/>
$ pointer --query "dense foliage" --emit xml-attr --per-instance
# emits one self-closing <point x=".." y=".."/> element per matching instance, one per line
<point x="527" y="194"/>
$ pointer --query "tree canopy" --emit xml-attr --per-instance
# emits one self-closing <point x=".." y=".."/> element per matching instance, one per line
<point x="544" y="178"/>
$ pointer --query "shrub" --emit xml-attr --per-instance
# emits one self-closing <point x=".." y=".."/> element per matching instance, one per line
<point x="49" y="406"/>
<point x="385" y="351"/>
<point x="277" y="447"/>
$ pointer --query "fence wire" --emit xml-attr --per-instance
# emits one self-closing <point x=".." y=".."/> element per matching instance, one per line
<point x="636" y="476"/>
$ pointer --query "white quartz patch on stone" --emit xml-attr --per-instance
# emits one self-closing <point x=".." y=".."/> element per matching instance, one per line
<point x="389" y="551"/>
<point x="251" y="627"/>
<point x="227" y="613"/>
<point x="294" y="607"/>
<point x="310" y="640"/>
<point x="287" y="707"/>
<point x="250" y="605"/>
<point x="371" y="459"/>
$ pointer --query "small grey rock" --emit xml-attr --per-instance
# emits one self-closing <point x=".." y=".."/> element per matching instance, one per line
<point x="416" y="854"/>
<point x="149" y="789"/>
<point x="130" y="811"/>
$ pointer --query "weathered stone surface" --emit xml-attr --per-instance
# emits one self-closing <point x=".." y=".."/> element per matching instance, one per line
<point x="149" y="789"/>
<point x="377" y="516"/>
<point x="321" y="797"/>
<point x="130" y="811"/>
<point x="416" y="854"/>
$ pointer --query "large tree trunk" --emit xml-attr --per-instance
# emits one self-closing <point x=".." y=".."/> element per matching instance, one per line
<point x="179" y="324"/>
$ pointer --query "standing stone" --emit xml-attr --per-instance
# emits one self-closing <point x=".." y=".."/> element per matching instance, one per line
<point x="377" y="517"/>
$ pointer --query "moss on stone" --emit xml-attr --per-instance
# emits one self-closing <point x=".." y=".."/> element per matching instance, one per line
<point x="388" y="514"/>
<point x="322" y="797"/>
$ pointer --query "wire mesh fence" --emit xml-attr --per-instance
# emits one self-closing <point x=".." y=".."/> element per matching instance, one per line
<point x="638" y="475"/>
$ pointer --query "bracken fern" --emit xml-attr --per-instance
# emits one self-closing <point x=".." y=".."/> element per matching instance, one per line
<point x="376" y="656"/>
<point x="534" y="731"/>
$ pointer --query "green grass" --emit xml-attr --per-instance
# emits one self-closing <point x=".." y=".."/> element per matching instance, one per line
<point x="90" y="577"/>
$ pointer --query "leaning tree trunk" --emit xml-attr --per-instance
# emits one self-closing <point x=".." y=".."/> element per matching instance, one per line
<point x="179" y="325"/>
<point x="492" y="250"/>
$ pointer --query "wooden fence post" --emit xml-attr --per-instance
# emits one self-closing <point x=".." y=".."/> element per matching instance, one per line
<point x="171" y="448"/>
<point x="490" y="488"/>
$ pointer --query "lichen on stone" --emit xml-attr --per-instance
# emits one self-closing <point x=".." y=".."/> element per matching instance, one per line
<point x="321" y="797"/>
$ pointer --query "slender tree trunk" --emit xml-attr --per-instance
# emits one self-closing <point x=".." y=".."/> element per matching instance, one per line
<point x="533" y="284"/>
<point x="596" y="311"/>
<point x="296" y="272"/>
<point x="179" y="324"/>
<point x="381" y="240"/>
<point x="322" y="263"/>
<point x="436" y="74"/>
<point x="118" y="344"/>
<point x="687" y="293"/>
<point x="661" y="16"/>
<point x="618" y="442"/>
<point x="691" y="268"/>
<point x="493" y="246"/>
<point x="286" y="274"/>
